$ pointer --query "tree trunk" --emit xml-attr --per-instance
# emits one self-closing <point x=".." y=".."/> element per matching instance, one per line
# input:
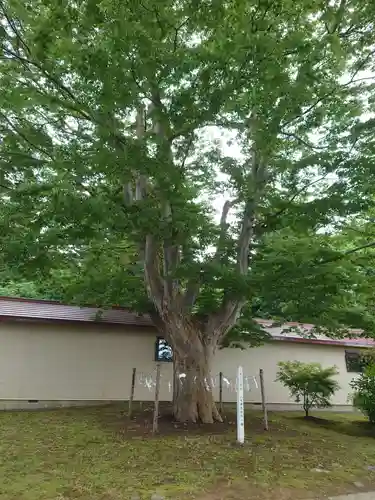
<point x="192" y="355"/>
<point x="193" y="351"/>
<point x="193" y="397"/>
<point x="306" y="404"/>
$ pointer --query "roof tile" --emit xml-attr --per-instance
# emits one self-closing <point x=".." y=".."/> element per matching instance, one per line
<point x="48" y="310"/>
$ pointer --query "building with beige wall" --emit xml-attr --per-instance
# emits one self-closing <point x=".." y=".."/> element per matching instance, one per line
<point x="53" y="354"/>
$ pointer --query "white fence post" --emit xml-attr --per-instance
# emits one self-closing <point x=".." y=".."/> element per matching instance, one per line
<point x="240" y="408"/>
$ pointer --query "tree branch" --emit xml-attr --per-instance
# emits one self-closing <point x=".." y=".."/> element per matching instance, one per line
<point x="16" y="130"/>
<point x="191" y="294"/>
<point x="316" y="181"/>
<point x="220" y="323"/>
<point x="169" y="254"/>
<point x="194" y="284"/>
<point x="297" y="193"/>
<point x="258" y="178"/>
<point x="171" y="249"/>
<point x="333" y="91"/>
<point x="22" y="155"/>
<point x="161" y="287"/>
<point x="14" y="28"/>
<point x="57" y="83"/>
<point x="223" y="227"/>
<point x="187" y="151"/>
<point x="177" y="30"/>
<point x="148" y="250"/>
<point x="339" y="16"/>
<point x="302" y="141"/>
<point x="348" y="252"/>
<point x="154" y="283"/>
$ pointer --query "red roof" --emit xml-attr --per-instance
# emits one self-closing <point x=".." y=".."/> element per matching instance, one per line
<point x="12" y="308"/>
<point x="48" y="310"/>
<point x="303" y="333"/>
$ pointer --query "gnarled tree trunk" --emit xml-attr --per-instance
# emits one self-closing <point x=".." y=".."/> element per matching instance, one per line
<point x="193" y="399"/>
<point x="194" y="343"/>
<point x="193" y="396"/>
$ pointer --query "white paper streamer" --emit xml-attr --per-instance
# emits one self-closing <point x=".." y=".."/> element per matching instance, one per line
<point x="247" y="384"/>
<point x="250" y="382"/>
<point x="148" y="381"/>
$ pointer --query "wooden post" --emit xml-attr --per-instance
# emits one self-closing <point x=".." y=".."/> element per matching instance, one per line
<point x="264" y="404"/>
<point x="156" y="404"/>
<point x="132" y="394"/>
<point x="221" y="391"/>
<point x="175" y="388"/>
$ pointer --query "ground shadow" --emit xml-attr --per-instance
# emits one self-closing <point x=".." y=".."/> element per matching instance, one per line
<point x="356" y="428"/>
<point x="115" y="418"/>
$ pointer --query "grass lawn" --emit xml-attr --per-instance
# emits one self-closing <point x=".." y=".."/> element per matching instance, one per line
<point x="92" y="454"/>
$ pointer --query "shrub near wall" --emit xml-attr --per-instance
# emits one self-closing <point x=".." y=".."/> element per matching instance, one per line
<point x="364" y="392"/>
<point x="309" y="383"/>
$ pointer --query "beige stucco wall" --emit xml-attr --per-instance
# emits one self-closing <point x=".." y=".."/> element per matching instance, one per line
<point x="268" y="356"/>
<point x="94" y="362"/>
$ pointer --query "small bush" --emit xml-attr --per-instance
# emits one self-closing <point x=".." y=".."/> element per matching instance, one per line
<point x="364" y="392"/>
<point x="308" y="383"/>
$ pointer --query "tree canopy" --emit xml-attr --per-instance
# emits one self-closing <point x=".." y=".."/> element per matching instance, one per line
<point x="123" y="124"/>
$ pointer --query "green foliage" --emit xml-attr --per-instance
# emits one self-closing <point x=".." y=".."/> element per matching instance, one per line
<point x="281" y="80"/>
<point x="309" y="383"/>
<point x="311" y="279"/>
<point x="363" y="396"/>
<point x="368" y="357"/>
<point x="21" y="289"/>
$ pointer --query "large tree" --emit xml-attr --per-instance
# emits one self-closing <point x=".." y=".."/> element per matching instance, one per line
<point x="122" y="124"/>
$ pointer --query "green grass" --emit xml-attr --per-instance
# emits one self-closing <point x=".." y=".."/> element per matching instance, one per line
<point x="84" y="454"/>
